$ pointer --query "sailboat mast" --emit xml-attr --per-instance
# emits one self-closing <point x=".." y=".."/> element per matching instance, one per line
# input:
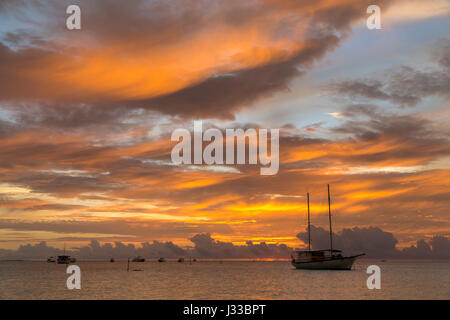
<point x="309" y="226"/>
<point x="329" y="217"/>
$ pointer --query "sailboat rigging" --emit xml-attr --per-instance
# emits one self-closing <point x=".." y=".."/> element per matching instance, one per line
<point x="328" y="259"/>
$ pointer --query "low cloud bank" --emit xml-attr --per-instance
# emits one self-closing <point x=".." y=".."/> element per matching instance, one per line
<point x="373" y="241"/>
<point x="207" y="247"/>
<point x="204" y="247"/>
<point x="376" y="243"/>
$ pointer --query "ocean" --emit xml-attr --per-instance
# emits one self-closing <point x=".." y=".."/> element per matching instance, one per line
<point x="223" y="280"/>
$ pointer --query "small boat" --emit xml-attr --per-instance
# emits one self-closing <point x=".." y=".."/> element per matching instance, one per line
<point x="111" y="260"/>
<point x="323" y="260"/>
<point x="65" y="259"/>
<point x="329" y="259"/>
<point x="161" y="260"/>
<point x="194" y="260"/>
<point x="139" y="259"/>
<point x="51" y="259"/>
<point x="181" y="260"/>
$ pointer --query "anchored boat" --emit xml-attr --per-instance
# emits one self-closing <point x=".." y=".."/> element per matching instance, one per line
<point x="65" y="259"/>
<point x="329" y="259"/>
<point x="139" y="259"/>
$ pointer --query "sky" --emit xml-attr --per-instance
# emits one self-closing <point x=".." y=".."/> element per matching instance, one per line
<point x="86" y="118"/>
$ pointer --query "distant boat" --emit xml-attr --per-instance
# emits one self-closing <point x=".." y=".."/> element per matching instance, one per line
<point x="194" y="260"/>
<point x="65" y="259"/>
<point x="139" y="259"/>
<point x="51" y="260"/>
<point x="161" y="260"/>
<point x="111" y="260"/>
<point x="328" y="259"/>
<point x="181" y="260"/>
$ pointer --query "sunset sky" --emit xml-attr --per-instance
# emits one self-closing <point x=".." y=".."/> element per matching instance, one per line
<point x="86" y="118"/>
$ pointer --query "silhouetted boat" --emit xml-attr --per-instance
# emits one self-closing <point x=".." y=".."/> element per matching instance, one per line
<point x="161" y="260"/>
<point x="181" y="260"/>
<point x="328" y="259"/>
<point x="51" y="260"/>
<point x="65" y="259"/>
<point x="139" y="259"/>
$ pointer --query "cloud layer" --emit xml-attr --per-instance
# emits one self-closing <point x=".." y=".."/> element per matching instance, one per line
<point x="86" y="119"/>
<point x="237" y="52"/>
<point x="373" y="241"/>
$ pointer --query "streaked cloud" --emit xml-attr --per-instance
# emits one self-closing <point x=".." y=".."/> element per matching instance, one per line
<point x="407" y="10"/>
<point x="86" y="117"/>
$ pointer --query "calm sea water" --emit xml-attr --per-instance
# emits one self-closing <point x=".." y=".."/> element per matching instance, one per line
<point x="223" y="280"/>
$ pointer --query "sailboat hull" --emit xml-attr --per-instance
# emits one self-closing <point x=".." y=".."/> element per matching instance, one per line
<point x="329" y="259"/>
<point x="344" y="263"/>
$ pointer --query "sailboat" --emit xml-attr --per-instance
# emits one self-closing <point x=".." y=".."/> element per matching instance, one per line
<point x="328" y="259"/>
